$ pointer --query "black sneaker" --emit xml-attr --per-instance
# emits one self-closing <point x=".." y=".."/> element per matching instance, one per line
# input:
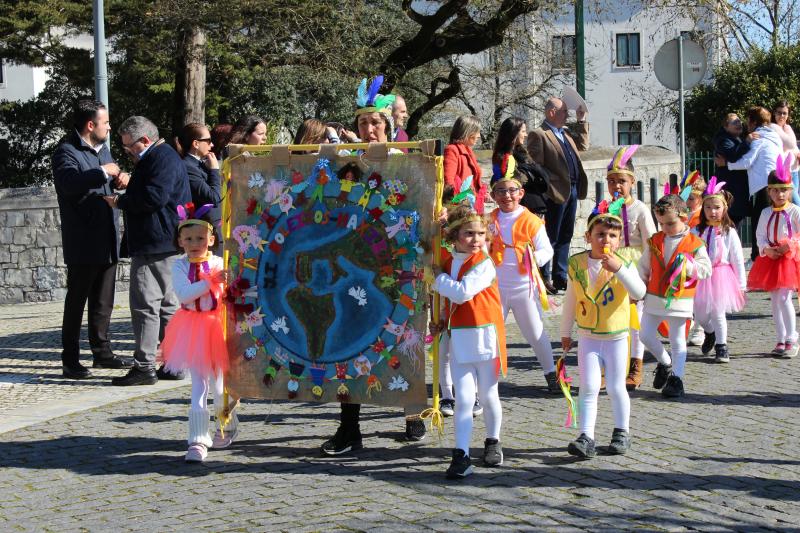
<point x="560" y="284"/>
<point x="583" y="446"/>
<point x="342" y="442"/>
<point x="136" y="377"/>
<point x="552" y="383"/>
<point x="477" y="409"/>
<point x="112" y="361"/>
<point x="673" y="388"/>
<point x="415" y="429"/>
<point x="550" y="288"/>
<point x="460" y="467"/>
<point x="721" y="353"/>
<point x="163" y="373"/>
<point x="492" y="452"/>
<point x="76" y="371"/>
<point x="448" y="407"/>
<point x="708" y="343"/>
<point x="620" y="442"/>
<point x="661" y="373"/>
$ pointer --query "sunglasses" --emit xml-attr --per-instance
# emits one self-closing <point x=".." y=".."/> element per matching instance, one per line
<point x="204" y="140"/>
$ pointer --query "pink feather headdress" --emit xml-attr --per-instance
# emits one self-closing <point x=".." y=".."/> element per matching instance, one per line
<point x="714" y="189"/>
<point x="783" y="173"/>
<point x="619" y="163"/>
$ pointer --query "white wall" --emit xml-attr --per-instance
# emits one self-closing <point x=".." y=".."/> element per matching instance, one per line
<point x="21" y="82"/>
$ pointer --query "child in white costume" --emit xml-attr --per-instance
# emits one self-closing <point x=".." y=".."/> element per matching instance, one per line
<point x="723" y="292"/>
<point x="671" y="265"/>
<point x="637" y="228"/>
<point x="474" y="325"/>
<point x="519" y="246"/>
<point x="597" y="298"/>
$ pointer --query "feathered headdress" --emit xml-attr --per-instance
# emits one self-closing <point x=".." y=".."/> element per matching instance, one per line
<point x="684" y="188"/>
<point x="369" y="100"/>
<point x="189" y="215"/>
<point x="619" y="163"/>
<point x="714" y="189"/>
<point x="504" y="170"/>
<point x="605" y="210"/>
<point x="782" y="179"/>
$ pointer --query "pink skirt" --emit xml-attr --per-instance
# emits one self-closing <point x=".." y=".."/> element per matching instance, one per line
<point x="719" y="293"/>
<point x="195" y="340"/>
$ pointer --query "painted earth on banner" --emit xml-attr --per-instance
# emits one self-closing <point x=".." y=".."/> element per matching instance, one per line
<point x="327" y="293"/>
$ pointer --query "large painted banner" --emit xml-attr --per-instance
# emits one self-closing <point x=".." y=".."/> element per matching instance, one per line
<point x="327" y="254"/>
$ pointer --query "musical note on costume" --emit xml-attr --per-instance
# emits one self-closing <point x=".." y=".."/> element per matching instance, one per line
<point x="583" y="309"/>
<point x="608" y="296"/>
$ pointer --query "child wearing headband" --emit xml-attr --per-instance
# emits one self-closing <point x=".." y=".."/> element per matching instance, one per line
<point x="672" y="263"/>
<point x="194" y="337"/>
<point x="637" y="227"/>
<point x="599" y="284"/>
<point x="723" y="292"/>
<point x="777" y="268"/>
<point x="474" y="333"/>
<point x="519" y="247"/>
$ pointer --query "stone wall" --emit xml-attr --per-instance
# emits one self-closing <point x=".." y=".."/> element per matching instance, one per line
<point x="31" y="260"/>
<point x="32" y="264"/>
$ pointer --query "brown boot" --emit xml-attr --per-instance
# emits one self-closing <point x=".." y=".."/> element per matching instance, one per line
<point x="634" y="379"/>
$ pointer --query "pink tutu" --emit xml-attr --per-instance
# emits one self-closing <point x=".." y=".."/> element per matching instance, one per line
<point x="195" y="340"/>
<point x="719" y="293"/>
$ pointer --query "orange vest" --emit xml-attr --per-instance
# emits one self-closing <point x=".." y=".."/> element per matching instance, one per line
<point x="661" y="270"/>
<point x="484" y="309"/>
<point x="694" y="220"/>
<point x="522" y="233"/>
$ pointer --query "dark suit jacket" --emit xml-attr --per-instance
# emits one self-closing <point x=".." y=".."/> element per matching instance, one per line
<point x="205" y="185"/>
<point x="89" y="227"/>
<point x="159" y="184"/>
<point x="544" y="148"/>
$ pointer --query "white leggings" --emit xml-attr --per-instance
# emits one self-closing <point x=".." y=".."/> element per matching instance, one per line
<point x="637" y="348"/>
<point x="594" y="354"/>
<point x="783" y="313"/>
<point x="677" y="340"/>
<point x="465" y="375"/>
<point x="713" y="322"/>
<point x="528" y="314"/>
<point x="200" y="389"/>
<point x="445" y="376"/>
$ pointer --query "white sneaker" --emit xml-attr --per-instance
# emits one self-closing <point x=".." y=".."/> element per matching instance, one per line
<point x="696" y="335"/>
<point x="223" y="440"/>
<point x="196" y="453"/>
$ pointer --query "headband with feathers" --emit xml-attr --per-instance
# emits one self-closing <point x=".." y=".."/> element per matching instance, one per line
<point x="783" y="173"/>
<point x="684" y="188"/>
<point x="504" y="170"/>
<point x="369" y="100"/>
<point x="619" y="163"/>
<point x="187" y="214"/>
<point x="606" y="210"/>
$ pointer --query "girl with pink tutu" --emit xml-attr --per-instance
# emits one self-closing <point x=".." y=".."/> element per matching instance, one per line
<point x="194" y="337"/>
<point x="723" y="292"/>
<point x="777" y="268"/>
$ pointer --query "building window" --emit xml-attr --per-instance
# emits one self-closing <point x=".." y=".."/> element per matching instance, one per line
<point x="629" y="132"/>
<point x="564" y="51"/>
<point x="628" y="50"/>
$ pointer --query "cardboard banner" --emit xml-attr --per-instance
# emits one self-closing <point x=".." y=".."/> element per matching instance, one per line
<point x="327" y="255"/>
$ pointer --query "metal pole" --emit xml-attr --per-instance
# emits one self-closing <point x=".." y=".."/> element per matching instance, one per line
<point x="580" y="71"/>
<point x="100" y="73"/>
<point x="680" y="97"/>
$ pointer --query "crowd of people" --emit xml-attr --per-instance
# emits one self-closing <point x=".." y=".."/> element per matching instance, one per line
<point x="632" y="283"/>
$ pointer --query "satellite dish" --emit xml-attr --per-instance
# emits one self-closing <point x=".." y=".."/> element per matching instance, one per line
<point x="666" y="64"/>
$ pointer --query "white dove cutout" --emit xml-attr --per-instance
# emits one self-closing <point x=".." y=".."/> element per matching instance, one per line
<point x="280" y="325"/>
<point x="359" y="294"/>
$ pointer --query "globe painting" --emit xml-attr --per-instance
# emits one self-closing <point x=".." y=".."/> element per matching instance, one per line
<point x="328" y="299"/>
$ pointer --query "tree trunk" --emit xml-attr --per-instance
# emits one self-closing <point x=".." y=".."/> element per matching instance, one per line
<point x="190" y="79"/>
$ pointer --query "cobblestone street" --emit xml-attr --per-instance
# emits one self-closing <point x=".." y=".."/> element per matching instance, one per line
<point x="85" y="456"/>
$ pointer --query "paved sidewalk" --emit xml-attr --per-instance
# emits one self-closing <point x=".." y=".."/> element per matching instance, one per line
<point x="725" y="458"/>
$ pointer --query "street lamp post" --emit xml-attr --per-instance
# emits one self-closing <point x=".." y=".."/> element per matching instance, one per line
<point x="100" y="73"/>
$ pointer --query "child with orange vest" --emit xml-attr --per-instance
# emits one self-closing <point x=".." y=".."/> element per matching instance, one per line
<point x="518" y="248"/>
<point x="671" y="265"/>
<point x="475" y="334"/>
<point x="599" y="285"/>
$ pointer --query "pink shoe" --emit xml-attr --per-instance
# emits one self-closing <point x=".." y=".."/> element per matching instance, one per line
<point x="791" y="351"/>
<point x="221" y="440"/>
<point x="779" y="349"/>
<point x="196" y="453"/>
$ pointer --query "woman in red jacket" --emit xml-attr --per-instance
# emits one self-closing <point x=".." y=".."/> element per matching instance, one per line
<point x="460" y="162"/>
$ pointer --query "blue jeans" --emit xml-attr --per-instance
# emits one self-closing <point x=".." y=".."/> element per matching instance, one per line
<point x="560" y="225"/>
<point x="796" y="182"/>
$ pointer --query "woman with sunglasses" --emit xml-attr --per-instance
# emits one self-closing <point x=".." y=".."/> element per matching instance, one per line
<point x="728" y="143"/>
<point x="194" y="144"/>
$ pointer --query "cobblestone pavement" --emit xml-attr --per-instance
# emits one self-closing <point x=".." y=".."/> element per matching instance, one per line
<point x="723" y="458"/>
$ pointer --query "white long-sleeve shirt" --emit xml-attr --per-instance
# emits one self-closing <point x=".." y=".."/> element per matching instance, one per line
<point x="508" y="275"/>
<point x="640" y="225"/>
<point x="468" y="345"/>
<point x="629" y="278"/>
<point x="188" y="292"/>
<point x="765" y="234"/>
<point x="760" y="160"/>
<point x="701" y="268"/>
<point x="725" y="248"/>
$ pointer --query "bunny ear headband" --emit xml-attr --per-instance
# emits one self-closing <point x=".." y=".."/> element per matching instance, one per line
<point x="619" y="163"/>
<point x="188" y="215"/>
<point x="783" y="173"/>
<point x="605" y="210"/>
<point x="714" y="190"/>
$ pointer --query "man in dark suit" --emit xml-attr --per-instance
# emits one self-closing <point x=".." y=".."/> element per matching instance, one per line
<point x="557" y="148"/>
<point x="84" y="172"/>
<point x="159" y="184"/>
